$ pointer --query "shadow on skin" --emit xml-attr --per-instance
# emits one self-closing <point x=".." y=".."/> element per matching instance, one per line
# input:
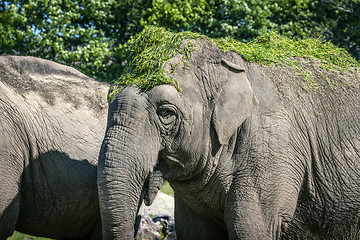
<point x="58" y="198"/>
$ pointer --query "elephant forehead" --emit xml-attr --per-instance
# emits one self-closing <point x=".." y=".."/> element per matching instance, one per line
<point x="164" y="93"/>
<point x="128" y="101"/>
<point x="169" y="94"/>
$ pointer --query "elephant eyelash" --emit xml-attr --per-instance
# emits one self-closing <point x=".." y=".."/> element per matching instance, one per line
<point x="167" y="114"/>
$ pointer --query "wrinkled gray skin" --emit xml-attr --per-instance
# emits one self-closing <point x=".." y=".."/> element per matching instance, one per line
<point x="250" y="155"/>
<point x="52" y="122"/>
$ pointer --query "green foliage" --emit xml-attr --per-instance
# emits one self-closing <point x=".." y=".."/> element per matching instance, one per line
<point x="65" y="31"/>
<point x="149" y="51"/>
<point x="21" y="236"/>
<point x="166" y="188"/>
<point x="93" y="35"/>
<point x="177" y="15"/>
<point x="86" y="34"/>
<point x="274" y="48"/>
<point x="246" y="19"/>
<point x="153" y="47"/>
<point x="338" y="21"/>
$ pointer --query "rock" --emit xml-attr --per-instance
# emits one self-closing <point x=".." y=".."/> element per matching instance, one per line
<point x="156" y="228"/>
<point x="148" y="229"/>
<point x="162" y="226"/>
<point x="167" y="226"/>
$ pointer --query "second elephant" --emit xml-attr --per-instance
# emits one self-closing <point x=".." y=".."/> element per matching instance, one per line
<point x="52" y="121"/>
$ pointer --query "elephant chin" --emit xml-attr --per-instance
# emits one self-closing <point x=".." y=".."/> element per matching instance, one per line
<point x="152" y="185"/>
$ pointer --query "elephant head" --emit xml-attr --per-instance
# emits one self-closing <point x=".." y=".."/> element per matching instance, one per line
<point x="164" y="130"/>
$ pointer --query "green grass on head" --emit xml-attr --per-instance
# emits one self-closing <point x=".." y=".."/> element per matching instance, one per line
<point x="149" y="51"/>
<point x="154" y="46"/>
<point x="273" y="48"/>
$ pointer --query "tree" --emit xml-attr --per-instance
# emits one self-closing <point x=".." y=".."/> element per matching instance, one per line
<point x="341" y="21"/>
<point x="87" y="34"/>
<point x="65" y="31"/>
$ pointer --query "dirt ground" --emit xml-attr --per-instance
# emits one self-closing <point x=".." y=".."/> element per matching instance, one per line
<point x="163" y="204"/>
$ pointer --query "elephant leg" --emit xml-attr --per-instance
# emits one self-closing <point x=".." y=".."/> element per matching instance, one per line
<point x="9" y="217"/>
<point x="97" y="234"/>
<point x="12" y="160"/>
<point x="245" y="221"/>
<point x="10" y="177"/>
<point x="251" y="215"/>
<point x="190" y="225"/>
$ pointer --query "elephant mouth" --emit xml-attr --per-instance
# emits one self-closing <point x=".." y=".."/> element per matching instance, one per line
<point x="173" y="166"/>
<point x="171" y="160"/>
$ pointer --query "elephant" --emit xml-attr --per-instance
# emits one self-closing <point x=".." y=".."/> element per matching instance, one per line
<point x="251" y="151"/>
<point x="52" y="122"/>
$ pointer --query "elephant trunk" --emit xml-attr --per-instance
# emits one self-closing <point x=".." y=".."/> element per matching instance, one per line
<point x="126" y="159"/>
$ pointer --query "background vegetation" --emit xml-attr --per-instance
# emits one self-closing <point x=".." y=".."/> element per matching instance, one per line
<point x="21" y="236"/>
<point x="92" y="35"/>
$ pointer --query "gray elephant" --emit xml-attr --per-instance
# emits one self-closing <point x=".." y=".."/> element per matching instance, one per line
<point x="52" y="122"/>
<point x="249" y="153"/>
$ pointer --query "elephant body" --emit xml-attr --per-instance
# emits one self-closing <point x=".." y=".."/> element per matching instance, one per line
<point x="52" y="122"/>
<point x="252" y="152"/>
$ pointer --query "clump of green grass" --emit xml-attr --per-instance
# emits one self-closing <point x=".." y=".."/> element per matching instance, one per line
<point x="149" y="51"/>
<point x="21" y="236"/>
<point x="273" y="48"/>
<point x="154" y="46"/>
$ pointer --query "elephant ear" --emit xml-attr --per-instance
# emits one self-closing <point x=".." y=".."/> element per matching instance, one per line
<point x="234" y="103"/>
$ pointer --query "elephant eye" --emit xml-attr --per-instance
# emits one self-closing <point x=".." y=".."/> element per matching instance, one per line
<point x="167" y="114"/>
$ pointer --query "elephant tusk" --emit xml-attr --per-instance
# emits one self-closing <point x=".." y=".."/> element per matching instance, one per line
<point x="174" y="160"/>
<point x="232" y="65"/>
